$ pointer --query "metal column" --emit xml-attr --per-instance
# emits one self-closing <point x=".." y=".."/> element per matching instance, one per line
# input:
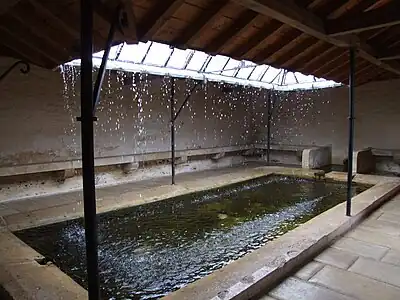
<point x="87" y="136"/>
<point x="172" y="107"/>
<point x="269" y="108"/>
<point x="351" y="130"/>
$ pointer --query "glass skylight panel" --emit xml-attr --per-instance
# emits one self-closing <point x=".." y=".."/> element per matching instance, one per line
<point x="197" y="61"/>
<point x="179" y="58"/>
<point x="246" y="70"/>
<point x="271" y="74"/>
<point x="258" y="72"/>
<point x="216" y="64"/>
<point x="158" y="54"/>
<point x="134" y="53"/>
<point x="161" y="59"/>
<point x="231" y="68"/>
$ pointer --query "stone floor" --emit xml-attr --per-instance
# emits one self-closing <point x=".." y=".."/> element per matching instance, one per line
<point x="364" y="264"/>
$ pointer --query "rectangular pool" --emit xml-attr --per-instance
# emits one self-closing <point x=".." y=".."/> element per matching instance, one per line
<point x="148" y="251"/>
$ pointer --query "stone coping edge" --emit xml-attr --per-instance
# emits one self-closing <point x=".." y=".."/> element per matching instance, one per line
<point x="296" y="252"/>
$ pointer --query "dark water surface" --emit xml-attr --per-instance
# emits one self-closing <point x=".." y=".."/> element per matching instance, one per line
<point x="150" y="250"/>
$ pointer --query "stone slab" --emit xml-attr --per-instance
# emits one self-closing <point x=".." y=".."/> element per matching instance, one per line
<point x="309" y="270"/>
<point x="389" y="217"/>
<point x="366" y="235"/>
<point x="355" y="285"/>
<point x="377" y="270"/>
<point x="296" y="289"/>
<point x="337" y="258"/>
<point x="383" y="227"/>
<point x="392" y="257"/>
<point x="361" y="248"/>
<point x="33" y="281"/>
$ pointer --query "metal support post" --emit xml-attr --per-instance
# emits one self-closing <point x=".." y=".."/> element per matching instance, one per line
<point x="172" y="107"/>
<point x="110" y="38"/>
<point x="269" y="108"/>
<point x="351" y="130"/>
<point x="87" y="136"/>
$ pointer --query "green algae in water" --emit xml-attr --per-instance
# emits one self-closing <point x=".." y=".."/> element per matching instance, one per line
<point x="147" y="251"/>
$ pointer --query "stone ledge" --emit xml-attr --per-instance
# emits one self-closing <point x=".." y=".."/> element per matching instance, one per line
<point x="114" y="160"/>
<point x="23" y="278"/>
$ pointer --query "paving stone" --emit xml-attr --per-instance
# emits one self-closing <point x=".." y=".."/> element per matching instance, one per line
<point x="355" y="285"/>
<point x="392" y="207"/>
<point x="382" y="227"/>
<point x="337" y="258"/>
<point x="361" y="248"/>
<point x="392" y="257"/>
<point x="366" y="235"/>
<point x="377" y="270"/>
<point x="296" y="289"/>
<point x="266" y="298"/>
<point x="6" y="211"/>
<point x="309" y="270"/>
<point x="388" y="217"/>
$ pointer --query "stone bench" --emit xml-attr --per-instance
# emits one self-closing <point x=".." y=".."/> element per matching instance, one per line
<point x="128" y="163"/>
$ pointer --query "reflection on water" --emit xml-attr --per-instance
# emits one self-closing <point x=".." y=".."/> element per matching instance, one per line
<point x="150" y="250"/>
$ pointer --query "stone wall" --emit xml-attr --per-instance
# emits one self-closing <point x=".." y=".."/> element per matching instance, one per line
<point x="38" y="111"/>
<point x="320" y="117"/>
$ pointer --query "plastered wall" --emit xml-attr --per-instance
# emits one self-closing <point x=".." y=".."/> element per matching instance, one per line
<point x="38" y="111"/>
<point x="320" y="117"/>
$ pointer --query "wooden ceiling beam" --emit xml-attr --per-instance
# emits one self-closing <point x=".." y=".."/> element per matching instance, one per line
<point x="390" y="54"/>
<point x="238" y="25"/>
<point x="157" y="18"/>
<point x="58" y="22"/>
<point x="296" y="61"/>
<point x="24" y="44"/>
<point x="23" y="31"/>
<point x="200" y="24"/>
<point x="257" y="39"/>
<point x="373" y="19"/>
<point x="317" y="60"/>
<point x="268" y="54"/>
<point x="292" y="49"/>
<point x="288" y="12"/>
<point x="360" y="68"/>
<point x="332" y="66"/>
<point x="5" y="6"/>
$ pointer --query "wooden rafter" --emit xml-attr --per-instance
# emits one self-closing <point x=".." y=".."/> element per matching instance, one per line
<point x="332" y="65"/>
<point x="200" y="24"/>
<point x="319" y="59"/>
<point x="296" y="61"/>
<point x="257" y="39"/>
<point x="267" y="55"/>
<point x="157" y="18"/>
<point x="390" y="54"/>
<point x="243" y="21"/>
<point x="23" y="43"/>
<point x="5" y="6"/>
<point x="289" y="13"/>
<point x="377" y="18"/>
<point x="291" y="49"/>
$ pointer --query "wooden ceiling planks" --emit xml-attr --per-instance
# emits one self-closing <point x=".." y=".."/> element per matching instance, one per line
<point x="285" y="33"/>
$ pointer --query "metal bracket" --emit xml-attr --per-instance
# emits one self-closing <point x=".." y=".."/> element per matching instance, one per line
<point x="25" y="69"/>
<point x="185" y="101"/>
<point x="116" y="24"/>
